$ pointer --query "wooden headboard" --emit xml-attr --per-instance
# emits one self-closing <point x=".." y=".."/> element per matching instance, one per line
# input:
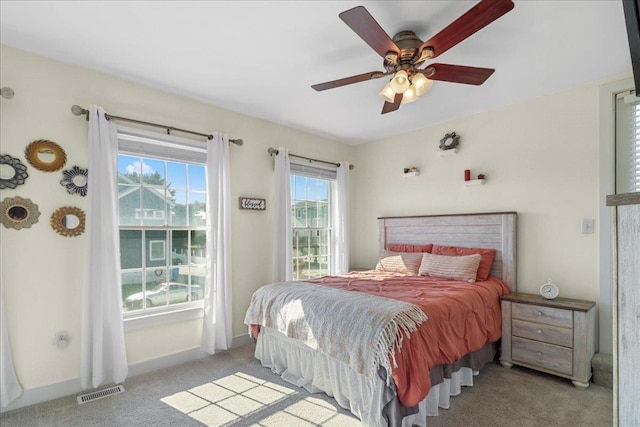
<point x="480" y="230"/>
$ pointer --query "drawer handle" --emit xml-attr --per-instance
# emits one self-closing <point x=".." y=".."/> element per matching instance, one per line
<point x="539" y="313"/>
<point x="539" y="331"/>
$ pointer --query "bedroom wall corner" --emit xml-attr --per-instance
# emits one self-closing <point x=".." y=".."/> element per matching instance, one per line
<point x="540" y="158"/>
<point x="43" y="271"/>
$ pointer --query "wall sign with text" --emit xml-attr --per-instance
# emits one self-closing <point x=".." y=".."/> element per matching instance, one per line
<point x="253" y="203"/>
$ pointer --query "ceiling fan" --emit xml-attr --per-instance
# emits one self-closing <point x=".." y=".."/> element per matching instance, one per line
<point x="405" y="54"/>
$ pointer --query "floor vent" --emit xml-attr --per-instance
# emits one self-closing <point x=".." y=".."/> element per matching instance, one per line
<point x="100" y="394"/>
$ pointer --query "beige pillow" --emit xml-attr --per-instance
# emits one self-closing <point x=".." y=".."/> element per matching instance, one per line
<point x="399" y="262"/>
<point x="450" y="267"/>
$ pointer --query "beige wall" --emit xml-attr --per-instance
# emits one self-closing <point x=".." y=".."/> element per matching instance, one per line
<point x="43" y="272"/>
<point x="540" y="158"/>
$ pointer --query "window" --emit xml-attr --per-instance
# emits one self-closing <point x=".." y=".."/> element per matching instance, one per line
<point x="156" y="250"/>
<point x="311" y="190"/>
<point x="634" y="151"/>
<point x="162" y="218"/>
<point x="627" y="143"/>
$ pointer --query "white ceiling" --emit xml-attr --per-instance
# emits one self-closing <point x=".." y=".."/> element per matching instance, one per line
<point x="260" y="58"/>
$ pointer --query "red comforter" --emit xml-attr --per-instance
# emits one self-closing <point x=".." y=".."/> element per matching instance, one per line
<point x="462" y="317"/>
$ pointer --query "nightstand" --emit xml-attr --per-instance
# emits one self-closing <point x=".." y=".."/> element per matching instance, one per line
<point x="554" y="336"/>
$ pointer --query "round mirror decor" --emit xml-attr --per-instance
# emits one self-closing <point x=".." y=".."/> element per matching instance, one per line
<point x="18" y="213"/>
<point x="75" y="179"/>
<point x="45" y="155"/>
<point x="12" y="172"/>
<point x="68" y="221"/>
<point x="450" y="141"/>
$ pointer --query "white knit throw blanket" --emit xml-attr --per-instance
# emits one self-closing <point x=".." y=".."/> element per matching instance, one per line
<point x="358" y="329"/>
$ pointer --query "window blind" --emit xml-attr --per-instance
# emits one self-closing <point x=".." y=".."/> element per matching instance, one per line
<point x="162" y="147"/>
<point x="627" y="144"/>
<point x="635" y="150"/>
<point x="313" y="171"/>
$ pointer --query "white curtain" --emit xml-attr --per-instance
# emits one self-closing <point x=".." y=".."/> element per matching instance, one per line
<point x="103" y="355"/>
<point x="10" y="388"/>
<point x="283" y="261"/>
<point x="340" y="221"/>
<point x="216" y="331"/>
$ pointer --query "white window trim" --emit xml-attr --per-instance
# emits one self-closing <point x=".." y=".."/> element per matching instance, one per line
<point x="164" y="317"/>
<point x="167" y="314"/>
<point x="312" y="229"/>
<point x="608" y="291"/>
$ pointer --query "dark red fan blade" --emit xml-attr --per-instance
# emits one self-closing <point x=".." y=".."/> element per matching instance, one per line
<point x="458" y="73"/>
<point x="392" y="106"/>
<point x="475" y="19"/>
<point x="361" y="21"/>
<point x="348" y="80"/>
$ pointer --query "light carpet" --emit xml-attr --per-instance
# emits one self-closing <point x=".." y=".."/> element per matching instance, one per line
<point x="232" y="389"/>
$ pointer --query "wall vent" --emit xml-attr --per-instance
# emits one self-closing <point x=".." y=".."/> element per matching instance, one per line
<point x="100" y="394"/>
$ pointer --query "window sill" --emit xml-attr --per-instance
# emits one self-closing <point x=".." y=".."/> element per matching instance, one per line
<point x="150" y="320"/>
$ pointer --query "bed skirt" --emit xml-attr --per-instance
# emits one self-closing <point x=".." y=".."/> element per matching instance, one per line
<point x="375" y="404"/>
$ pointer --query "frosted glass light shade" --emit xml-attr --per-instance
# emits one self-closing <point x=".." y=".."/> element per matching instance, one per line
<point x="409" y="95"/>
<point x="388" y="94"/>
<point x="400" y="82"/>
<point x="421" y="83"/>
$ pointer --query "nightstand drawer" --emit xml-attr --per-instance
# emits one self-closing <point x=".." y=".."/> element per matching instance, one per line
<point x="547" y="315"/>
<point x="542" y="332"/>
<point x="546" y="356"/>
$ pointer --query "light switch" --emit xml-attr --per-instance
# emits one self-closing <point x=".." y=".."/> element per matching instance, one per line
<point x="587" y="226"/>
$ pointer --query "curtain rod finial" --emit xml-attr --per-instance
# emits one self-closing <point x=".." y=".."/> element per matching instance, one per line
<point x="78" y="110"/>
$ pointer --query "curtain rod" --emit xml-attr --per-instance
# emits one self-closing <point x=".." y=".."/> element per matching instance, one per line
<point x="79" y="111"/>
<point x="273" y="151"/>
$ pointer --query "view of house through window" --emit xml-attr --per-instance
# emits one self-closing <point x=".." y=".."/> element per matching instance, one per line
<point x="310" y="221"/>
<point x="162" y="232"/>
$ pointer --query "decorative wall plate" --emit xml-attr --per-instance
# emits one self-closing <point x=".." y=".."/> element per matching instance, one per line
<point x="68" y="221"/>
<point x="45" y="155"/>
<point x="75" y="179"/>
<point x="18" y="213"/>
<point x="12" y="172"/>
<point x="450" y="141"/>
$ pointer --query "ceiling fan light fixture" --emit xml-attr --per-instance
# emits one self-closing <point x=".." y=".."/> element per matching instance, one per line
<point x="410" y="95"/>
<point x="421" y="83"/>
<point x="400" y="82"/>
<point x="387" y="93"/>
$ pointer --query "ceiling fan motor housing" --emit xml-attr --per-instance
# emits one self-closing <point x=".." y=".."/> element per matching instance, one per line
<point x="408" y="57"/>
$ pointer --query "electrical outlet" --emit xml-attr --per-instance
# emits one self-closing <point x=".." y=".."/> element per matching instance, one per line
<point x="61" y="339"/>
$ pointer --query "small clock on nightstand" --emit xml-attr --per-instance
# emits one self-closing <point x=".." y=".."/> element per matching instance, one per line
<point x="549" y="290"/>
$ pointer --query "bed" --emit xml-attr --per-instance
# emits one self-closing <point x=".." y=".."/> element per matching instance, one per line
<point x="410" y="341"/>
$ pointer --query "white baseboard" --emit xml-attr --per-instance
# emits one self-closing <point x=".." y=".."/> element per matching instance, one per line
<point x="44" y="394"/>
<point x="72" y="387"/>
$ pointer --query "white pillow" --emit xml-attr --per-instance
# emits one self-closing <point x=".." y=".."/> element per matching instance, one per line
<point x="450" y="267"/>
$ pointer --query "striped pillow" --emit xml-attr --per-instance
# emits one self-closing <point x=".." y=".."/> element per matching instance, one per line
<point x="485" y="263"/>
<point x="450" y="267"/>
<point x="399" y="262"/>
